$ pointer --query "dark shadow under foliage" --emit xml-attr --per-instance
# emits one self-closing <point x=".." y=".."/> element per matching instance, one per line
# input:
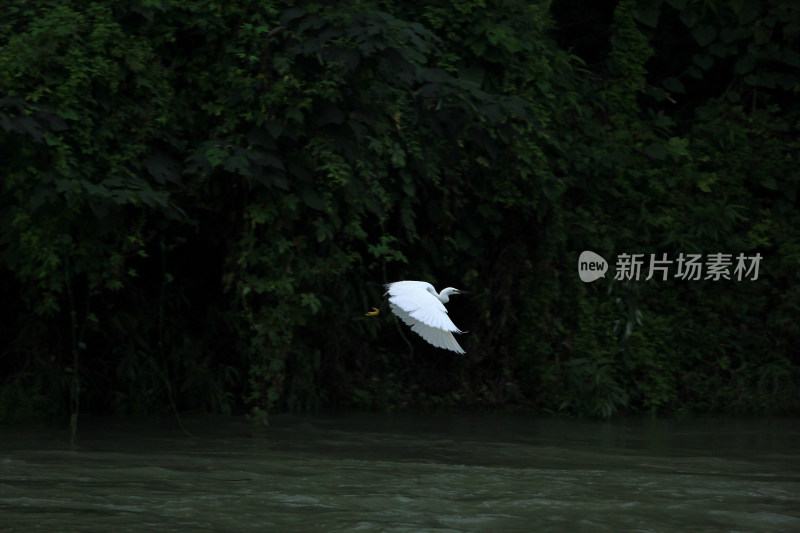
<point x="200" y="202"/>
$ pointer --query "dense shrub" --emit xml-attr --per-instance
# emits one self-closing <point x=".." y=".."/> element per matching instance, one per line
<point x="200" y="200"/>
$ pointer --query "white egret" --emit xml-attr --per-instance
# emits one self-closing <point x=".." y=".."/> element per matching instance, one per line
<point x="419" y="306"/>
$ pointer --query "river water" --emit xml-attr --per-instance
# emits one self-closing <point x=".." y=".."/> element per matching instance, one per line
<point x="356" y="472"/>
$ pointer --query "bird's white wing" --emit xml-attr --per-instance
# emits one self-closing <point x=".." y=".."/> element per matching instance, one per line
<point x="413" y="298"/>
<point x="424" y="312"/>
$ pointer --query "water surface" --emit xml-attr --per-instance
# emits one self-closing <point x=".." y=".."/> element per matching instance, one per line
<point x="404" y="473"/>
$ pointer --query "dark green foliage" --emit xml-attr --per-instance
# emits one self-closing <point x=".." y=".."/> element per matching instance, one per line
<point x="200" y="200"/>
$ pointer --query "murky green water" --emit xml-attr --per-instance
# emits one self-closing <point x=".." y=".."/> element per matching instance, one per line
<point x="480" y="473"/>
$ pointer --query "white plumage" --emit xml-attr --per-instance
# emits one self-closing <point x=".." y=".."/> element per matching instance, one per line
<point x="418" y="305"/>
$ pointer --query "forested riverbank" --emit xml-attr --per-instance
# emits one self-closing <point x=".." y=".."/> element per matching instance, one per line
<point x="200" y="200"/>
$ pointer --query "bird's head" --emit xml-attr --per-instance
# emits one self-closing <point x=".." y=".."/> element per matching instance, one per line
<point x="444" y="296"/>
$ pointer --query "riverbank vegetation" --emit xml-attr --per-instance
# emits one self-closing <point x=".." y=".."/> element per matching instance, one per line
<point x="200" y="201"/>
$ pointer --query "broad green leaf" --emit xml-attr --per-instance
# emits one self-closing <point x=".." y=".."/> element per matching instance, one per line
<point x="704" y="35"/>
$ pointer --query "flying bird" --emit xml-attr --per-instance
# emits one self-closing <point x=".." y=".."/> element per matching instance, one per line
<point x="419" y="306"/>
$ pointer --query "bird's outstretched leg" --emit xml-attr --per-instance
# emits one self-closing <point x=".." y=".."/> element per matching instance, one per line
<point x="373" y="312"/>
